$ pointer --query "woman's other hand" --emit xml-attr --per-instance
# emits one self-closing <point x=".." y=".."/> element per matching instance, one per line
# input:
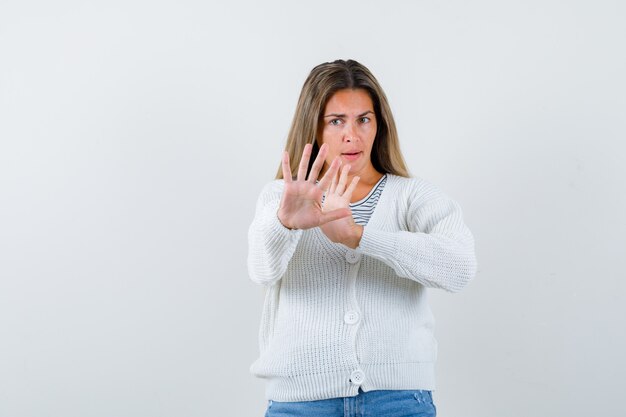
<point x="301" y="202"/>
<point x="343" y="230"/>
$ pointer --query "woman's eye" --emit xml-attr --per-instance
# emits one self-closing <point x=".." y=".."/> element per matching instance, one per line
<point x="364" y="119"/>
<point x="335" y="122"/>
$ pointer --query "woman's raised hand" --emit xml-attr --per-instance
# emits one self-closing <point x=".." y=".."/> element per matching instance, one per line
<point x="343" y="230"/>
<point x="301" y="202"/>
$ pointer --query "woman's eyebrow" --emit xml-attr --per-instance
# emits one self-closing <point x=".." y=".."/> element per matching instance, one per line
<point x="343" y="115"/>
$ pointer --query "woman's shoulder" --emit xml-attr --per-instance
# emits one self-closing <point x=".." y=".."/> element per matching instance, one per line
<point x="418" y="192"/>
<point x="414" y="184"/>
<point x="273" y="186"/>
<point x="272" y="190"/>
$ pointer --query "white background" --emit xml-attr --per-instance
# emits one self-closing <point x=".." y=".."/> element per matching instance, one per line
<point x="136" y="135"/>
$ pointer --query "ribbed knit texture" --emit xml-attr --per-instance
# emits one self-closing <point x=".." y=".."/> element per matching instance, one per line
<point x="336" y="319"/>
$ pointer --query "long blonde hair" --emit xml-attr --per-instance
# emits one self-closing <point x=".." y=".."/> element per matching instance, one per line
<point x="324" y="81"/>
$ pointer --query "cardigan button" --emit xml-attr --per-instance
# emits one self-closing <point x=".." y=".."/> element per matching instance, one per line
<point x="353" y="257"/>
<point x="357" y="377"/>
<point x="351" y="317"/>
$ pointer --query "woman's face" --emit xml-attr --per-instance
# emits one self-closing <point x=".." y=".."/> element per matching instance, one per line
<point x="349" y="128"/>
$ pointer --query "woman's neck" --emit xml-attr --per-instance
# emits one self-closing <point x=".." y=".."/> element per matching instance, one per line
<point x="365" y="185"/>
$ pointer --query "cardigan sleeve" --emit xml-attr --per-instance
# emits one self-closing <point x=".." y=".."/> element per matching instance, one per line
<point x="437" y="250"/>
<point x="270" y="244"/>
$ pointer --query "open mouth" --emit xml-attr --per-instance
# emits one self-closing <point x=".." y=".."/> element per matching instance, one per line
<point x="351" y="155"/>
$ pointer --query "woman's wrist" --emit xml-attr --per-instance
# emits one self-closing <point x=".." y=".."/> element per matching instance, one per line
<point x="354" y="239"/>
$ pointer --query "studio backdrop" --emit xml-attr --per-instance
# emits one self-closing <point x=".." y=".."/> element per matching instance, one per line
<point x="135" y="137"/>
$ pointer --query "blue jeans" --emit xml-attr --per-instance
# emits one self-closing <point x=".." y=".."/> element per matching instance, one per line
<point x="393" y="403"/>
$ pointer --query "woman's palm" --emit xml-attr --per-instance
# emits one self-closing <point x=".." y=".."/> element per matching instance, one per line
<point x="301" y="202"/>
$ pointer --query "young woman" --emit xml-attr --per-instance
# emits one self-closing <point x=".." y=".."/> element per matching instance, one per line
<point x="346" y="245"/>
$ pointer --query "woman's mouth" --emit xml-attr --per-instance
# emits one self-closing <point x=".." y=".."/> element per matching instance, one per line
<point x="351" y="156"/>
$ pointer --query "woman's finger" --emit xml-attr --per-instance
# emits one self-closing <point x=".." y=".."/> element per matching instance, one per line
<point x="351" y="188"/>
<point x="333" y="185"/>
<point x="334" y="215"/>
<point x="343" y="179"/>
<point x="318" y="163"/>
<point x="286" y="169"/>
<point x="304" y="162"/>
<point x="330" y="174"/>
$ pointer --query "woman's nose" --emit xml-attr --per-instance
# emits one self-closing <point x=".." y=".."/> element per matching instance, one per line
<point x="350" y="134"/>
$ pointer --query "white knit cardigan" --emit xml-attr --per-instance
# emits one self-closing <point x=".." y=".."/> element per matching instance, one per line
<point x="336" y="319"/>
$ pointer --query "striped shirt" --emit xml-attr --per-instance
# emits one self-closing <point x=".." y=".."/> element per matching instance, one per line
<point x="362" y="210"/>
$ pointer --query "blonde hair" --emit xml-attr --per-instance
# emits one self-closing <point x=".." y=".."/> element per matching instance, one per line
<point x="324" y="81"/>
